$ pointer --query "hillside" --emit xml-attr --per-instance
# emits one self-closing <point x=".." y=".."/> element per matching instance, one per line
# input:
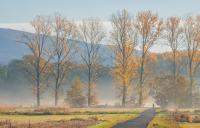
<point x="11" y="49"/>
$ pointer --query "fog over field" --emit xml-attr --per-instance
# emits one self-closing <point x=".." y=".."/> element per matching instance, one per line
<point x="19" y="91"/>
<point x="100" y="64"/>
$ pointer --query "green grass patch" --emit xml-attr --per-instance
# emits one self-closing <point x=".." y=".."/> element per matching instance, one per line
<point x="190" y="125"/>
<point x="163" y="121"/>
<point x="113" y="119"/>
<point x="108" y="117"/>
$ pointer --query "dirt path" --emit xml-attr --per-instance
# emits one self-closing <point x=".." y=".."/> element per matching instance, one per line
<point x="140" y="122"/>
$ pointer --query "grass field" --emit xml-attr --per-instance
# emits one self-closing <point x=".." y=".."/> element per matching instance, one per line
<point x="190" y="125"/>
<point x="165" y="120"/>
<point x="104" y="117"/>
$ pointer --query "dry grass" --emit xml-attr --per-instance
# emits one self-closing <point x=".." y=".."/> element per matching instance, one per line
<point x="180" y="119"/>
<point x="51" y="124"/>
<point x="94" y="117"/>
<point x="163" y="121"/>
<point x="107" y="120"/>
<point x="190" y="125"/>
<point x="66" y="111"/>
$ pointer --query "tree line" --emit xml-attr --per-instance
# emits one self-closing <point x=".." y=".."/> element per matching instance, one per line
<point x="54" y="44"/>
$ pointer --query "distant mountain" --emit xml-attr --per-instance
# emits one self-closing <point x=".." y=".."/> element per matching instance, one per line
<point x="11" y="49"/>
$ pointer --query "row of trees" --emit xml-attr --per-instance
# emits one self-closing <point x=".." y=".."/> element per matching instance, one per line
<point x="182" y="36"/>
<point x="126" y="35"/>
<point x="55" y="41"/>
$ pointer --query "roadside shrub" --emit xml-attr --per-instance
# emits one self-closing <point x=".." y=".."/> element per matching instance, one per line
<point x="95" y="118"/>
<point x="182" y="117"/>
<point x="196" y="119"/>
<point x="77" y="119"/>
<point x="197" y="111"/>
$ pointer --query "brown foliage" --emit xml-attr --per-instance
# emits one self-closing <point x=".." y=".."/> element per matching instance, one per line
<point x="63" y="48"/>
<point x="91" y="33"/>
<point x="163" y="89"/>
<point x="149" y="28"/>
<point x="122" y="37"/>
<point x="40" y="54"/>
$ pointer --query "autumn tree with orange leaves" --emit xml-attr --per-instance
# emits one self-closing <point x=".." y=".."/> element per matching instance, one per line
<point x="91" y="33"/>
<point x="149" y="27"/>
<point x="122" y="37"/>
<point x="173" y="36"/>
<point x="38" y="62"/>
<point x="62" y="50"/>
<point x="192" y="41"/>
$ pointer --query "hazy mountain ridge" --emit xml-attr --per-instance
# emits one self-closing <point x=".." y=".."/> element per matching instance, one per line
<point x="11" y="53"/>
<point x="11" y="49"/>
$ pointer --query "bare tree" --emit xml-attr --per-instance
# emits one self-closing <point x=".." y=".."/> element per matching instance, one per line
<point x="62" y="50"/>
<point x="149" y="27"/>
<point x="123" y="47"/>
<point x="173" y="36"/>
<point x="91" y="33"/>
<point x="40" y="56"/>
<point x="192" y="40"/>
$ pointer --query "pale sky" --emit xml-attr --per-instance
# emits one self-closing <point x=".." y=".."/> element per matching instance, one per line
<point x="16" y="14"/>
<point x="12" y="11"/>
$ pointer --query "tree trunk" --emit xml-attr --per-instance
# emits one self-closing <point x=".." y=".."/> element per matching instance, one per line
<point x="89" y="86"/>
<point x="38" y="83"/>
<point x="191" y="91"/>
<point x="124" y="95"/>
<point x="141" y="82"/>
<point x="175" y="79"/>
<point x="191" y="84"/>
<point x="56" y="91"/>
<point x="56" y="96"/>
<point x="57" y="81"/>
<point x="140" y="97"/>
<point x="38" y="89"/>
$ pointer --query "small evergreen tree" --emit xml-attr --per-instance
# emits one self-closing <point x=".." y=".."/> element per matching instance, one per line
<point x="75" y="96"/>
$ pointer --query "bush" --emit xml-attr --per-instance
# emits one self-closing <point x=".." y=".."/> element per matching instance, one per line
<point x="196" y="111"/>
<point x="196" y="119"/>
<point x="77" y="119"/>
<point x="95" y="118"/>
<point x="183" y="117"/>
<point x="75" y="96"/>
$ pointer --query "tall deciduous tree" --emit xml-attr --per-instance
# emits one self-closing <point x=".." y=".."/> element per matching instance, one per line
<point x="62" y="50"/>
<point x="173" y="36"/>
<point x="123" y="47"/>
<point x="149" y="27"/>
<point x="91" y="33"/>
<point x="40" y="55"/>
<point x="192" y="40"/>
